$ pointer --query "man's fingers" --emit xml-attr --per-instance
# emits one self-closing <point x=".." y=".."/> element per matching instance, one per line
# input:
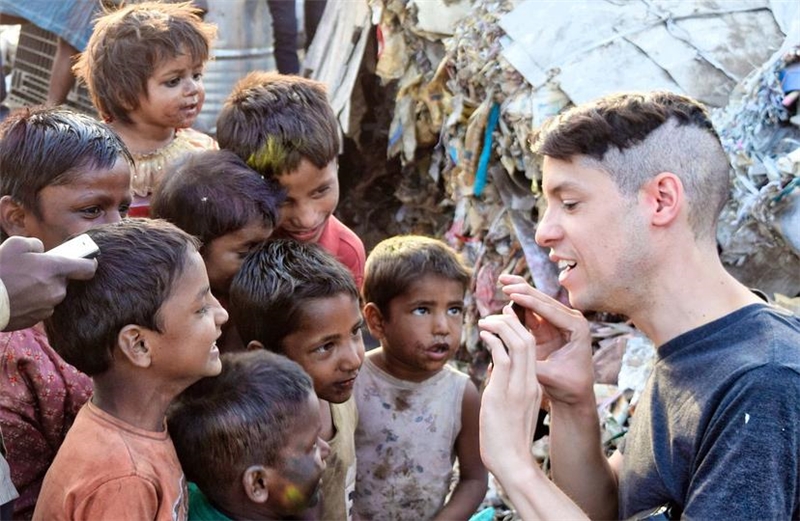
<point x="78" y="269"/>
<point x="19" y="245"/>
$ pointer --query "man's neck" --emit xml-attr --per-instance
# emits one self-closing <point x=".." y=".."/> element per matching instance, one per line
<point x="688" y="296"/>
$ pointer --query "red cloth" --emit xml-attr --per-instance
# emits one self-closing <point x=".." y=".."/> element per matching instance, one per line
<point x="40" y="395"/>
<point x="346" y="246"/>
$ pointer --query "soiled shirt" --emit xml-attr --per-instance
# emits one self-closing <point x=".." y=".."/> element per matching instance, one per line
<point x="109" y="469"/>
<point x="339" y="477"/>
<point x="405" y="442"/>
<point x="40" y="395"/>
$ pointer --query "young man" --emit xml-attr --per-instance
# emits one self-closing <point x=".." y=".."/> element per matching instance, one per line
<point x="634" y="185"/>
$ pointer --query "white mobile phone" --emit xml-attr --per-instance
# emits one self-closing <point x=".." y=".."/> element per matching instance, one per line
<point x="78" y="247"/>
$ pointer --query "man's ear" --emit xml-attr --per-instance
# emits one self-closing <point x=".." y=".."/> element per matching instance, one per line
<point x="665" y="197"/>
<point x="254" y="345"/>
<point x="132" y="342"/>
<point x="12" y="216"/>
<point x="255" y="481"/>
<point x="374" y="319"/>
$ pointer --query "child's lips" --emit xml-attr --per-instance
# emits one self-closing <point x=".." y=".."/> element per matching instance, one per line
<point x="346" y="384"/>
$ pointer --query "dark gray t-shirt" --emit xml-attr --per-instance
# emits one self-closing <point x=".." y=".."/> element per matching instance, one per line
<point x="717" y="429"/>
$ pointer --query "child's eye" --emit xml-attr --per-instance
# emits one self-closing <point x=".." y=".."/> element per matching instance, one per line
<point x="455" y="311"/>
<point x="357" y="330"/>
<point x="322" y="192"/>
<point x="324" y="348"/>
<point x="419" y="311"/>
<point x="174" y="82"/>
<point x="569" y="205"/>
<point x="197" y="76"/>
<point x="92" y="212"/>
<point x="203" y="310"/>
<point x="124" y="209"/>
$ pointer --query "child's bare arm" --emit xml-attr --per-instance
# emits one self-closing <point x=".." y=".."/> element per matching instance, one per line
<point x="471" y="487"/>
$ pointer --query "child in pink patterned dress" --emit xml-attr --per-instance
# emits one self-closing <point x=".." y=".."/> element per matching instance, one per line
<point x="143" y="67"/>
<point x="62" y="174"/>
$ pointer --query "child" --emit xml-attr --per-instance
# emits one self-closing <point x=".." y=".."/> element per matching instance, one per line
<point x="61" y="173"/>
<point x="416" y="413"/>
<point x="143" y="67"/>
<point x="144" y="328"/>
<point x="284" y="128"/>
<point x="248" y="440"/>
<point x="297" y="300"/>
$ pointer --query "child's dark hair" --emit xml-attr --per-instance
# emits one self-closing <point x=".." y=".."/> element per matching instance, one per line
<point x="223" y="424"/>
<point x="396" y="263"/>
<point x="274" y="121"/>
<point x="139" y="262"/>
<point x="269" y="294"/>
<point x="129" y="43"/>
<point x="215" y="193"/>
<point x="41" y="146"/>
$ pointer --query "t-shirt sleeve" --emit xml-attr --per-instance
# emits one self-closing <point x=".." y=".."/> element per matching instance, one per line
<point x="129" y="497"/>
<point x="747" y="464"/>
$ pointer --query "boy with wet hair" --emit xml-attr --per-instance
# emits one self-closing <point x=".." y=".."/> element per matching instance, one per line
<point x="417" y="414"/>
<point x="230" y="208"/>
<point x="61" y="173"/>
<point x="143" y="67"/>
<point x="284" y="127"/>
<point x="248" y="440"/>
<point x="144" y="328"/>
<point x="634" y="183"/>
<point x="295" y="299"/>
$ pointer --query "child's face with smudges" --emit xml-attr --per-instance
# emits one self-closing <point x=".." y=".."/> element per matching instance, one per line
<point x="311" y="197"/>
<point x="296" y="484"/>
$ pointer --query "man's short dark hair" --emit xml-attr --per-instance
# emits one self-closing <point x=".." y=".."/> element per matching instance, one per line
<point x="268" y="295"/>
<point x="139" y="262"/>
<point x="635" y="136"/>
<point x="223" y="424"/>
<point x="214" y="193"/>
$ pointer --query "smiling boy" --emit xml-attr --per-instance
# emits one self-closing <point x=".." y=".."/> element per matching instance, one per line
<point x="284" y="128"/>
<point x="144" y="328"/>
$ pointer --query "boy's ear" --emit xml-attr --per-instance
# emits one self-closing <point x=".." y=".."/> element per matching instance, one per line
<point x="254" y="345"/>
<point x="133" y="344"/>
<point x="255" y="481"/>
<point x="664" y="197"/>
<point x="12" y="216"/>
<point x="374" y="319"/>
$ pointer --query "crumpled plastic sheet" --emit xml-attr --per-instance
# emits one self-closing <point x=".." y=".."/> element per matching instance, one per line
<point x="758" y="232"/>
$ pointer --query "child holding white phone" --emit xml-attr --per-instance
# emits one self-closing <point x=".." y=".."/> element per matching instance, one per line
<point x="63" y="173"/>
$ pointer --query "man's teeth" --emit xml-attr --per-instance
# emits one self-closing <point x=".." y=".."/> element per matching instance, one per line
<point x="563" y="265"/>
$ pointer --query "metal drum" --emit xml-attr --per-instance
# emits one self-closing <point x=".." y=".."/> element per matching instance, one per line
<point x="244" y="44"/>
